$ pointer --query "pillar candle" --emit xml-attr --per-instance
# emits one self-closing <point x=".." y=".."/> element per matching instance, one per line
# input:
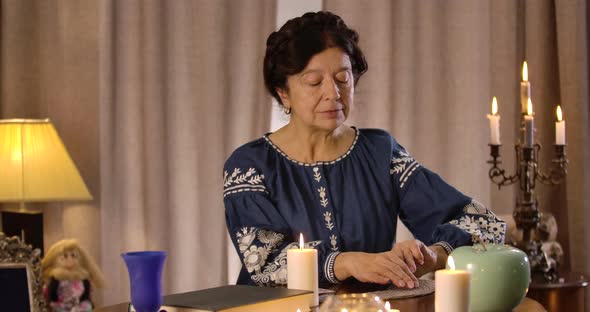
<point x="529" y="126"/>
<point x="451" y="291"/>
<point x="389" y="309"/>
<point x="559" y="128"/>
<point x="525" y="88"/>
<point x="302" y="270"/>
<point x="494" y="124"/>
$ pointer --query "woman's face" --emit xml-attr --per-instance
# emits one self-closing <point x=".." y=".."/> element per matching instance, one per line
<point x="322" y="94"/>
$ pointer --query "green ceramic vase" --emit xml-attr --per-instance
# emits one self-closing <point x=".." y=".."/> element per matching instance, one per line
<point x="500" y="276"/>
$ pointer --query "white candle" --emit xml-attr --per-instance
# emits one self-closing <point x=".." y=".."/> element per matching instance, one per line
<point x="529" y="126"/>
<point x="559" y="128"/>
<point x="525" y="88"/>
<point x="494" y="123"/>
<point x="451" y="290"/>
<point x="302" y="270"/>
<point x="389" y="309"/>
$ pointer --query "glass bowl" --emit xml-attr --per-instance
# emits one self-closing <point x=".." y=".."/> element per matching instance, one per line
<point x="353" y="303"/>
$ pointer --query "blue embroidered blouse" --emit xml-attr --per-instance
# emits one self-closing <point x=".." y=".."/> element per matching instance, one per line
<point x="348" y="204"/>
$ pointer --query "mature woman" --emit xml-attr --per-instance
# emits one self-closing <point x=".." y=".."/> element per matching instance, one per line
<point x="342" y="187"/>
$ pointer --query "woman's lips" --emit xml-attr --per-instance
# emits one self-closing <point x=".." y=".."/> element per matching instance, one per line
<point x="331" y="113"/>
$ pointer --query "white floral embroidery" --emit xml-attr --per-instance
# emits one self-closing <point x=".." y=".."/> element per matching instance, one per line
<point x="275" y="272"/>
<point x="329" y="267"/>
<point x="255" y="255"/>
<point x="323" y="200"/>
<point x="328" y="219"/>
<point x="316" y="174"/>
<point x="481" y="222"/>
<point x="241" y="182"/>
<point x="408" y="173"/>
<point x="399" y="168"/>
<point x="270" y="238"/>
<point x="399" y="163"/>
<point x="402" y="167"/>
<point x="245" y="237"/>
<point x="475" y="207"/>
<point x="334" y="242"/>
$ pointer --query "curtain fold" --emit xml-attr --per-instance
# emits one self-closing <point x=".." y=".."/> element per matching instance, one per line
<point x="49" y="69"/>
<point x="433" y="69"/>
<point x="181" y="89"/>
<point x="150" y="97"/>
<point x="573" y="37"/>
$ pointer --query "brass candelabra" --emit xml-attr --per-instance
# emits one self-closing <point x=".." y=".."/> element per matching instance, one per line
<point x="527" y="215"/>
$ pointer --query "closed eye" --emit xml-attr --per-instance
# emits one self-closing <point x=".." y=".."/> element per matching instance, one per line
<point x="343" y="77"/>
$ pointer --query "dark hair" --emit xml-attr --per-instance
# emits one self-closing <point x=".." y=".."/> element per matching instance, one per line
<point x="289" y="50"/>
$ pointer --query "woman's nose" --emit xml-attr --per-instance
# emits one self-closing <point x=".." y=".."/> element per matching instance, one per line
<point x="331" y="90"/>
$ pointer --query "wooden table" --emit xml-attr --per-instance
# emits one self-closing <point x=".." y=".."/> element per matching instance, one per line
<point x="416" y="304"/>
<point x="566" y="293"/>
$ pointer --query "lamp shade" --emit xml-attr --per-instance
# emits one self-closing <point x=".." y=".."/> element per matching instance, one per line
<point x="34" y="164"/>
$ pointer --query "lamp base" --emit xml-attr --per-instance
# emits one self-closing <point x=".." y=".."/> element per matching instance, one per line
<point x="29" y="225"/>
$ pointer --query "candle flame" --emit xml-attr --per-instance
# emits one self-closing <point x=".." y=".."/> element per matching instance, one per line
<point x="525" y="72"/>
<point x="494" y="106"/>
<point x="529" y="108"/>
<point x="298" y="310"/>
<point x="451" y="262"/>
<point x="301" y="241"/>
<point x="559" y="113"/>
<point x="387" y="306"/>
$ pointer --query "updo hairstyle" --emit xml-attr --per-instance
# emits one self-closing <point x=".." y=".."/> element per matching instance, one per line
<point x="289" y="50"/>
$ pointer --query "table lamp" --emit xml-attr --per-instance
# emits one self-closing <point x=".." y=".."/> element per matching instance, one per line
<point x="34" y="167"/>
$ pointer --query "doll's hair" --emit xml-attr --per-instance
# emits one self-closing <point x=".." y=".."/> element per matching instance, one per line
<point x="86" y="262"/>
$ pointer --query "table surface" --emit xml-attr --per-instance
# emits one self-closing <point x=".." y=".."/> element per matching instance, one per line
<point x="417" y="304"/>
<point x="564" y="280"/>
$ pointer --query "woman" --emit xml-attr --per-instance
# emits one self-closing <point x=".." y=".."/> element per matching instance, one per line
<point x="340" y="186"/>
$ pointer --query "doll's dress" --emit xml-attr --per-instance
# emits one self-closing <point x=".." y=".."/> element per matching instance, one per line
<point x="69" y="293"/>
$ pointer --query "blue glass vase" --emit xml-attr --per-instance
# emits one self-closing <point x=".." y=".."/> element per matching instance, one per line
<point x="145" y="278"/>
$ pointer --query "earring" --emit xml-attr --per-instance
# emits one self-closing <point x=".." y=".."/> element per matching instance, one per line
<point x="287" y="110"/>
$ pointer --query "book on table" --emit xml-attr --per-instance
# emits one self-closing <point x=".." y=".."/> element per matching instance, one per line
<point x="239" y="298"/>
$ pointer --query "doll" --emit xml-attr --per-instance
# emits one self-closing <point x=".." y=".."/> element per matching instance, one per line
<point x="68" y="275"/>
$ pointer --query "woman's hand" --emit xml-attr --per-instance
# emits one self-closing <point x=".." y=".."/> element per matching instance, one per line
<point x="414" y="253"/>
<point x="380" y="268"/>
<point x="420" y="258"/>
<point x="435" y="259"/>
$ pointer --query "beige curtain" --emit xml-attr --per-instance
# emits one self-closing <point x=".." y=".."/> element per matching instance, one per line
<point x="181" y="89"/>
<point x="49" y="69"/>
<point x="434" y="67"/>
<point x="150" y="97"/>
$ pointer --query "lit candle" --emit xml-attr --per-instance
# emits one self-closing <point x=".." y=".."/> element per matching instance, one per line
<point x="494" y="123"/>
<point x="451" y="289"/>
<point x="389" y="309"/>
<point x="525" y="88"/>
<point x="529" y="125"/>
<point x="559" y="128"/>
<point x="302" y="270"/>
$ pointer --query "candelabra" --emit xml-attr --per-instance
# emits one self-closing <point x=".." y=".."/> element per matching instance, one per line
<point x="527" y="215"/>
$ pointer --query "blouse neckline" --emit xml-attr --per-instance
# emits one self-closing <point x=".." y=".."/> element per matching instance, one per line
<point x="330" y="162"/>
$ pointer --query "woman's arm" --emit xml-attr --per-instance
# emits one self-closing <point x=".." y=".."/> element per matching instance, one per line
<point x="437" y="213"/>
<point x="380" y="268"/>
<point x="261" y="235"/>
